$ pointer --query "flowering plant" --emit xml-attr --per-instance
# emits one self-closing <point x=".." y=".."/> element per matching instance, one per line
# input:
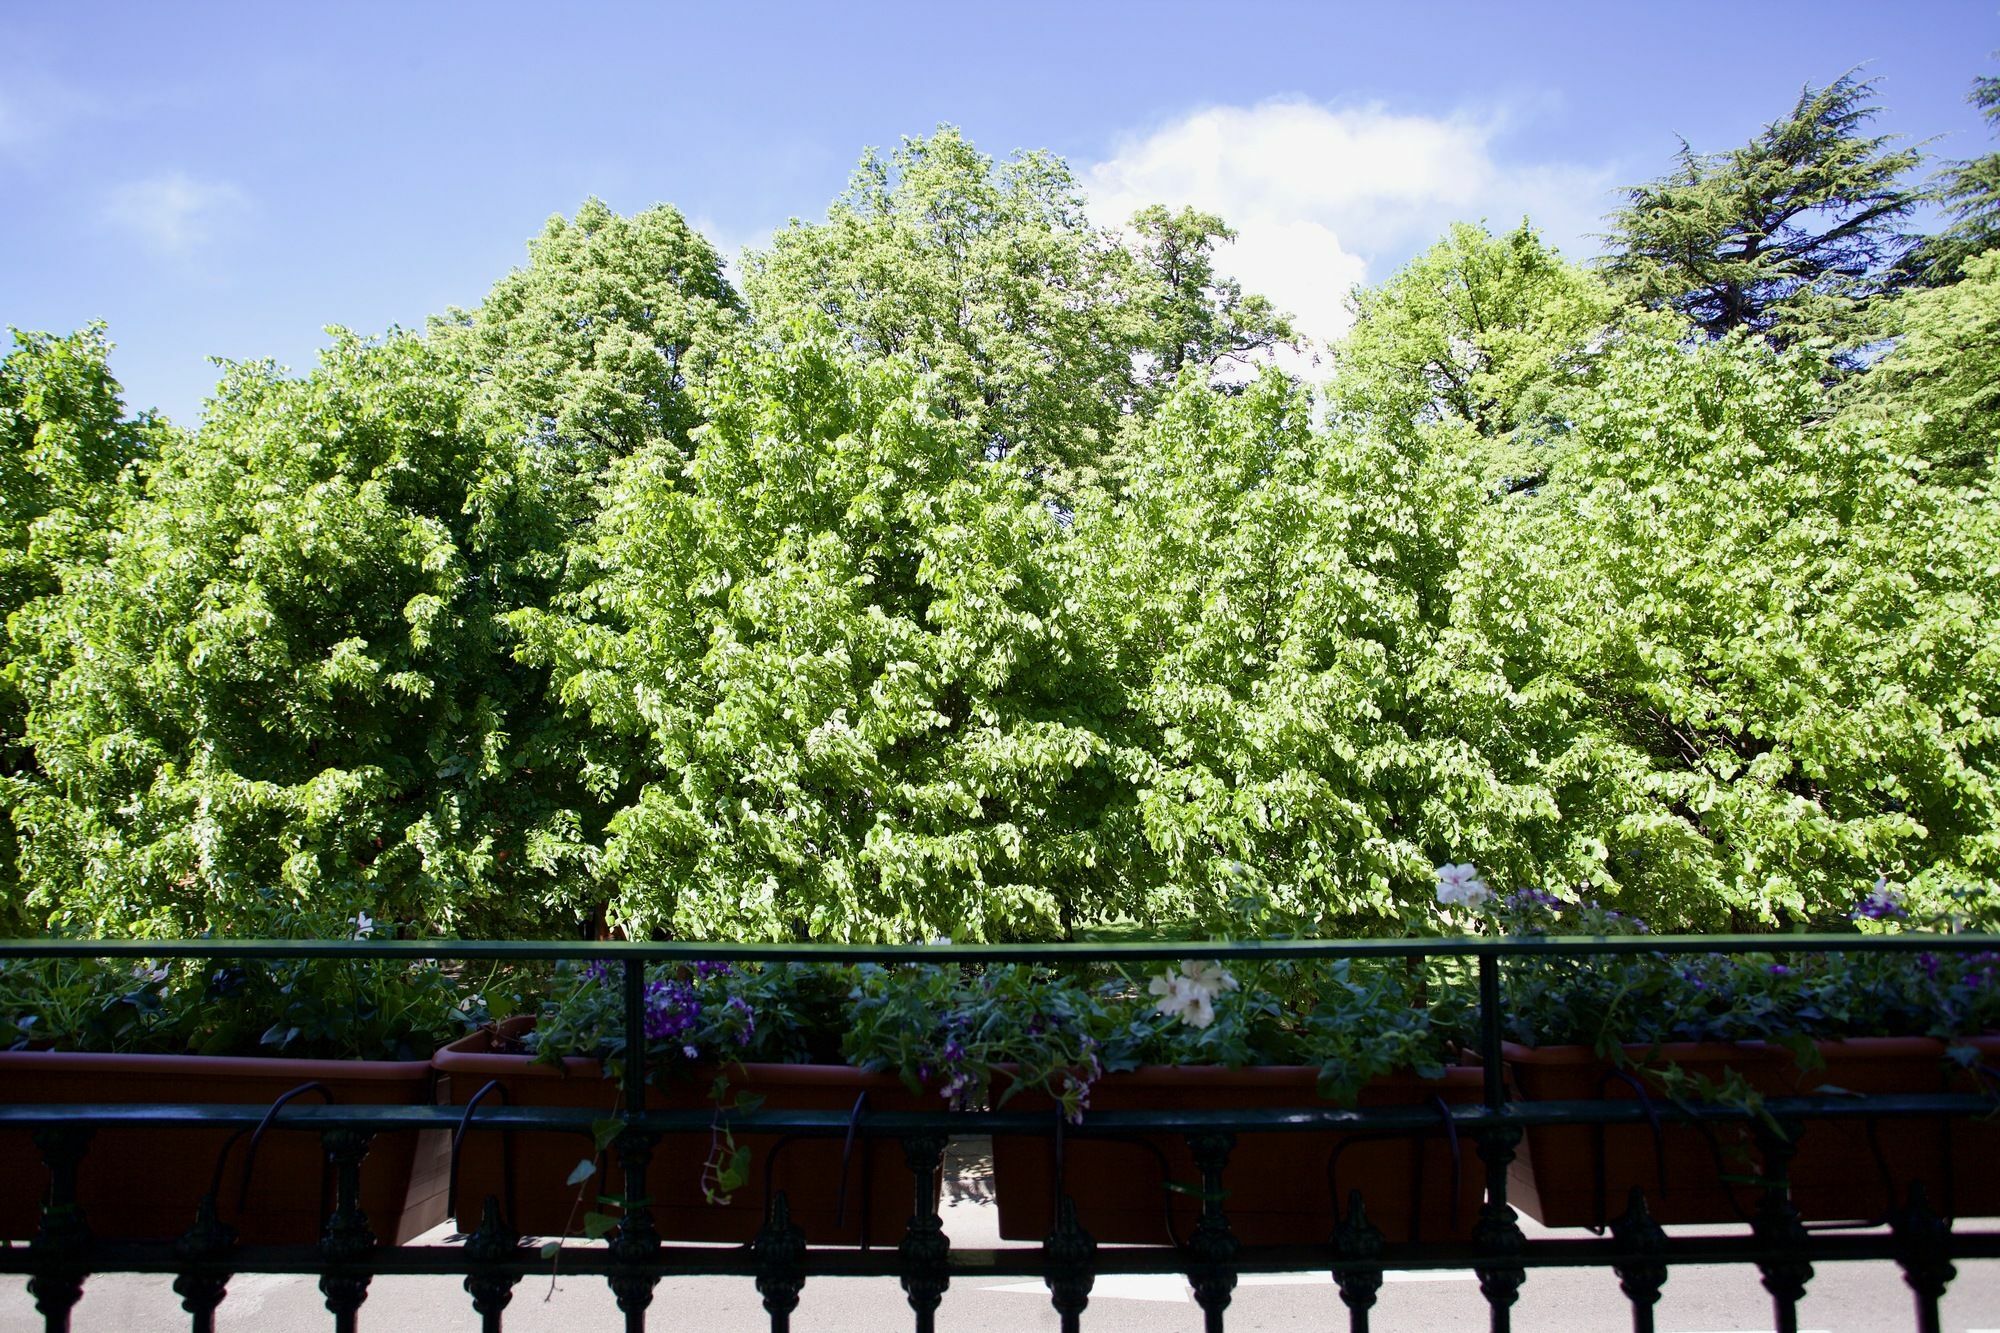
<point x="949" y="1030"/>
<point x="1355" y="1019"/>
<point x="1610" y="1001"/>
<point x="952" y="1029"/>
<point x="704" y="1014"/>
<point x="314" y="1008"/>
<point x="698" y="1019"/>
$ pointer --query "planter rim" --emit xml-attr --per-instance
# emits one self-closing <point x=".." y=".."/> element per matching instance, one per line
<point x="468" y="1056"/>
<point x="216" y="1066"/>
<point x="1280" y="1075"/>
<point x="1848" y="1048"/>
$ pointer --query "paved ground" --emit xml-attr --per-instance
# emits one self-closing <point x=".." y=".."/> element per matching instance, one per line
<point x="1847" y="1298"/>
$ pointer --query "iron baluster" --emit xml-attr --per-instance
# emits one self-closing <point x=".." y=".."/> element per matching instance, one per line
<point x="1641" y="1269"/>
<point x="204" y="1254"/>
<point x="1212" y="1248"/>
<point x="1778" y="1227"/>
<point x="925" y="1251"/>
<point x="61" y="1247"/>
<point x="1069" y="1257"/>
<point x="1358" y="1243"/>
<point x="491" y="1251"/>
<point x="346" y="1242"/>
<point x="781" y="1262"/>
<point x="637" y="1242"/>
<point x="1924" y="1241"/>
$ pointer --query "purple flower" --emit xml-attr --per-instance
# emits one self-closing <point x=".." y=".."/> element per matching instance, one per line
<point x="704" y="970"/>
<point x="1779" y="970"/>
<point x="953" y="1052"/>
<point x="598" y="971"/>
<point x="671" y="1009"/>
<point x="1883" y="903"/>
<point x="1929" y="963"/>
<point x="738" y="1005"/>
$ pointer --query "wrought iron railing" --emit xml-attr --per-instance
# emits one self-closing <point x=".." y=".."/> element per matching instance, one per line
<point x="491" y="1262"/>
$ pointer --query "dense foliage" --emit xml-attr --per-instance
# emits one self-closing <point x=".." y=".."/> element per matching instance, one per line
<point x="975" y="572"/>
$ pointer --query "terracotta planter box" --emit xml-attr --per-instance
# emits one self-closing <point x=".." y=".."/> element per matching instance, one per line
<point x="1844" y="1170"/>
<point x="144" y="1184"/>
<point x="880" y="1191"/>
<point x="1281" y="1187"/>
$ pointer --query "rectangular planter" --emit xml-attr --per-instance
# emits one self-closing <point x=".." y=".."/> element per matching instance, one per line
<point x="879" y="1192"/>
<point x="144" y="1184"/>
<point x="1843" y="1170"/>
<point x="1281" y="1187"/>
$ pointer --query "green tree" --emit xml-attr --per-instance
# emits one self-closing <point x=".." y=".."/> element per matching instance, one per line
<point x="67" y="461"/>
<point x="587" y="353"/>
<point x="285" y="672"/>
<point x="989" y="279"/>
<point x="831" y="673"/>
<point x="1789" y="236"/>
<point x="1478" y="332"/>
<point x="1195" y="316"/>
<point x="1970" y="193"/>
<point x="1759" y="634"/>
<point x="1275" y="606"/>
<point x="1940" y="385"/>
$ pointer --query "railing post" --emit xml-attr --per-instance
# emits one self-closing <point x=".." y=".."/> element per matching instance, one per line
<point x="62" y="1243"/>
<point x="1212" y="1248"/>
<point x="925" y="1251"/>
<point x="1784" y="1265"/>
<point x="1497" y="1232"/>
<point x="638" y="1240"/>
<point x="346" y="1242"/>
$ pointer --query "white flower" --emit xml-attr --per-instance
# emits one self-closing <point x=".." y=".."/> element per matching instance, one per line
<point x="1884" y="903"/>
<point x="364" y="925"/>
<point x="1190" y="993"/>
<point x="1460" y="886"/>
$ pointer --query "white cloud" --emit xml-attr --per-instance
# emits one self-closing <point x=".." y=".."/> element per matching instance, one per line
<point x="1323" y="198"/>
<point x="173" y="214"/>
<point x="731" y="242"/>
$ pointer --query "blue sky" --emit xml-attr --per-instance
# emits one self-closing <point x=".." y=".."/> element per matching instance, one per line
<point x="229" y="180"/>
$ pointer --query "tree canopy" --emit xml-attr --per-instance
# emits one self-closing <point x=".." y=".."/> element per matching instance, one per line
<point x="1789" y="235"/>
<point x="979" y="571"/>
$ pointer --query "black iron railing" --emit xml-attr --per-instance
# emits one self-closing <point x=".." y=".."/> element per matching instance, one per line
<point x="1918" y="1236"/>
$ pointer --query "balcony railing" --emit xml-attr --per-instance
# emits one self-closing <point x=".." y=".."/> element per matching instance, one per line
<point x="1918" y="1237"/>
